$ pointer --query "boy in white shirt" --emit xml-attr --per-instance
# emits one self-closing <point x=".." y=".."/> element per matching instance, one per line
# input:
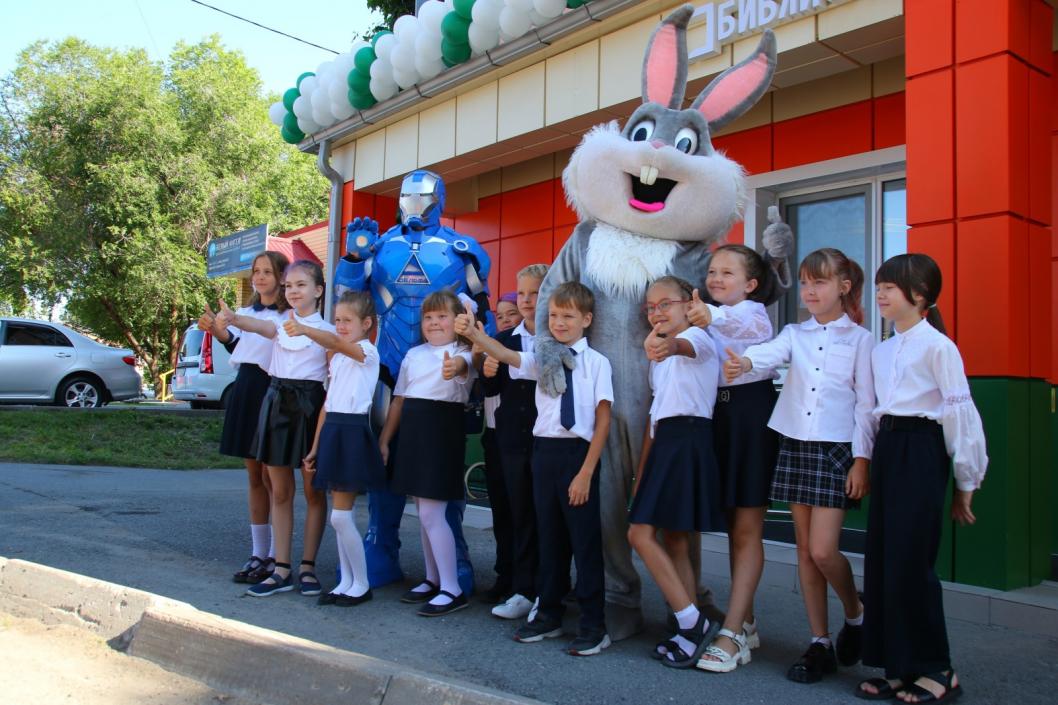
<point x="569" y="435"/>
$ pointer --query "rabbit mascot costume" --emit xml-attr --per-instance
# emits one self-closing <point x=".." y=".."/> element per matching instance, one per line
<point x="651" y="198"/>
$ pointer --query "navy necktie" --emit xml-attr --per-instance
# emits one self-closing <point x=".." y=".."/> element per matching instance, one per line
<point x="567" y="415"/>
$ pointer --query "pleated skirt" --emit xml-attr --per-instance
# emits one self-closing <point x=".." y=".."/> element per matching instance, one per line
<point x="287" y="423"/>
<point x="243" y="411"/>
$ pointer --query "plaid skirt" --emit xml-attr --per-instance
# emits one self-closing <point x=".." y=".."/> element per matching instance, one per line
<point x="813" y="473"/>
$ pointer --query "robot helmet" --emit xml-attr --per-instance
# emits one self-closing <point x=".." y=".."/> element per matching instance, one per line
<point x="422" y="199"/>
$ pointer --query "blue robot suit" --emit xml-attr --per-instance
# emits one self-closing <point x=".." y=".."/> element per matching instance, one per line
<point x="401" y="268"/>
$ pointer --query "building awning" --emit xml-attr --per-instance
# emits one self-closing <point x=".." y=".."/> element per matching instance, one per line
<point x="293" y="249"/>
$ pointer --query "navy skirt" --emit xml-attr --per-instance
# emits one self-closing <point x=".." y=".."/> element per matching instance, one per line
<point x="287" y="424"/>
<point x="347" y="457"/>
<point x="429" y="452"/>
<point x="746" y="448"/>
<point x="243" y="411"/>
<point x="680" y="489"/>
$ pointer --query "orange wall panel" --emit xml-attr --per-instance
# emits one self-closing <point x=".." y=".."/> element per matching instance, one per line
<point x="1040" y="29"/>
<point x="992" y="288"/>
<point x="828" y="134"/>
<point x="484" y="224"/>
<point x="527" y="209"/>
<point x="385" y="212"/>
<point x="889" y="121"/>
<point x="562" y="234"/>
<point x="493" y="248"/>
<point x="751" y="148"/>
<point x="938" y="241"/>
<point x="1054" y="322"/>
<point x="991" y="109"/>
<point x="737" y="234"/>
<point x="521" y="250"/>
<point x="564" y="215"/>
<point x="347" y="202"/>
<point x="1040" y="311"/>
<point x="930" y="148"/>
<point x="1054" y="201"/>
<point x="987" y="27"/>
<point x="928" y="35"/>
<point x="1039" y="152"/>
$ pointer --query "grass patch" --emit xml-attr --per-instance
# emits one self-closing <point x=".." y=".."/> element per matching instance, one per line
<point x="139" y="439"/>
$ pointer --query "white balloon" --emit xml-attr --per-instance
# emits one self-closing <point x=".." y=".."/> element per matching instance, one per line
<point x="549" y="8"/>
<point x="428" y="66"/>
<point x="341" y="109"/>
<point x="344" y="63"/>
<point x="358" y="44"/>
<point x="337" y="89"/>
<point x="324" y="68"/>
<point x="404" y="25"/>
<point x="519" y="5"/>
<point x="428" y="46"/>
<point x="431" y="14"/>
<point x="308" y="85"/>
<point x="403" y="56"/>
<point x="514" y="23"/>
<point x="321" y="114"/>
<point x="537" y="19"/>
<point x="302" y="107"/>
<point x="487" y="13"/>
<point x="382" y="69"/>
<point x="276" y="112"/>
<point x="384" y="46"/>
<point x="405" y="79"/>
<point x="383" y="90"/>
<point x="308" y="125"/>
<point x="482" y="38"/>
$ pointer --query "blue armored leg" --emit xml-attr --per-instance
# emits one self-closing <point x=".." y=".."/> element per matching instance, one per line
<point x="382" y="541"/>
<point x="464" y="568"/>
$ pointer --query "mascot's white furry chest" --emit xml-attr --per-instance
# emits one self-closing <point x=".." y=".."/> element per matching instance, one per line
<point x="621" y="263"/>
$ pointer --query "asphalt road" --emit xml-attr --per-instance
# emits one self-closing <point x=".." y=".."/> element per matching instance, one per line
<point x="182" y="533"/>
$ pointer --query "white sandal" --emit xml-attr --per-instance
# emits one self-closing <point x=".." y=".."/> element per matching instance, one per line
<point x="752" y="636"/>
<point x="716" y="660"/>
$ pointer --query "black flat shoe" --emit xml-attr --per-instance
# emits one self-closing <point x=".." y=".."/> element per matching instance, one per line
<point x="328" y="598"/>
<point x="817" y="662"/>
<point x="243" y="574"/>
<point x="411" y="597"/>
<point x="353" y="601"/>
<point x="849" y="644"/>
<point x="458" y="602"/>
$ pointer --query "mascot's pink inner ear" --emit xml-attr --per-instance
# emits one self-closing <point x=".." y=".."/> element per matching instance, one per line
<point x="734" y="88"/>
<point x="661" y="66"/>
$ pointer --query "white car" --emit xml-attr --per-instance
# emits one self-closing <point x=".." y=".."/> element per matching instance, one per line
<point x="47" y="363"/>
<point x="204" y="376"/>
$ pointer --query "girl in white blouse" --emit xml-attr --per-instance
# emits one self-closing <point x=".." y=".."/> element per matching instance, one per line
<point x="251" y="355"/>
<point x="927" y="423"/>
<point x="827" y="431"/>
<point x="745" y="447"/>
<point x="287" y="424"/>
<point x="345" y="455"/>
<point x="428" y="402"/>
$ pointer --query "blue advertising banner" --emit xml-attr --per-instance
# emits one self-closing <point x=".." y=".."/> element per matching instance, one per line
<point x="235" y="253"/>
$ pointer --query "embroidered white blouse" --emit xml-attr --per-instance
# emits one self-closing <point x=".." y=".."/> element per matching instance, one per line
<point x="828" y="394"/>
<point x="737" y="327"/>
<point x="920" y="373"/>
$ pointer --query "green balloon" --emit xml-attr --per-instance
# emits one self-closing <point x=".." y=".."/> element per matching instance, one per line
<point x="574" y="4"/>
<point x="302" y="77"/>
<point x="290" y="122"/>
<point x="289" y="97"/>
<point x="361" y="101"/>
<point x="291" y="137"/>
<point x="453" y="54"/>
<point x="463" y="7"/>
<point x="454" y="28"/>
<point x="358" y="81"/>
<point x="363" y="60"/>
<point x="374" y="39"/>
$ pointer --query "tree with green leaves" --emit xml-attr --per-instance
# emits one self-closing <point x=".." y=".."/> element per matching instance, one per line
<point x="115" y="174"/>
<point x="390" y="11"/>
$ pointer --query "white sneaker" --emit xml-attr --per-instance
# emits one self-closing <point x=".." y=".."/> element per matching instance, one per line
<point x="516" y="607"/>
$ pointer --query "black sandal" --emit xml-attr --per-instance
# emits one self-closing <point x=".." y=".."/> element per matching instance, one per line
<point x="261" y="572"/>
<point x="248" y="567"/>
<point x="413" y="597"/>
<point x="700" y="635"/>
<point x="658" y="653"/>
<point x="308" y="584"/>
<point x="942" y="679"/>
<point x="886" y="691"/>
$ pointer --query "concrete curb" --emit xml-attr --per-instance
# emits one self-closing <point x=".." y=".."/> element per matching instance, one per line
<point x="248" y="661"/>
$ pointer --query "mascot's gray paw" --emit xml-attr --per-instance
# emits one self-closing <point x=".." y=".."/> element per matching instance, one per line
<point x="778" y="238"/>
<point x="551" y="357"/>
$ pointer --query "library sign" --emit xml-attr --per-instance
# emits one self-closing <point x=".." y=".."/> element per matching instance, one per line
<point x="729" y="20"/>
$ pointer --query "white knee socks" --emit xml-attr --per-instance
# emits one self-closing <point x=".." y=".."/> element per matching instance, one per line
<point x="261" y="536"/>
<point x="350" y="554"/>
<point x="440" y="544"/>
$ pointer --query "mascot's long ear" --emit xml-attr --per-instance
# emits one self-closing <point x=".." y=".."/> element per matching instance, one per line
<point x="736" y="90"/>
<point x="665" y="63"/>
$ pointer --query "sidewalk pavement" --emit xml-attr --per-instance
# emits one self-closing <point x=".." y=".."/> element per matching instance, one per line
<point x="180" y="534"/>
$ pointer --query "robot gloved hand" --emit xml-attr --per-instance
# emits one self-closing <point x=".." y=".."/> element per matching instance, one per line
<point x="361" y="234"/>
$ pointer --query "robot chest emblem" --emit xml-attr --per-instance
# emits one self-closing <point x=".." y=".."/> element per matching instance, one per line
<point x="413" y="272"/>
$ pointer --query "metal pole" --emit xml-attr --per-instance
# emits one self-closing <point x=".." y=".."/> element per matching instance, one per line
<point x="334" y="224"/>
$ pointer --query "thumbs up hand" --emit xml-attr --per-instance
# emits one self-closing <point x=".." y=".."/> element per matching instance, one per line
<point x="225" y="315"/>
<point x="465" y="323"/>
<point x="698" y="312"/>
<point x="491" y="367"/>
<point x="205" y="321"/>
<point x="658" y="346"/>
<point x="451" y="367"/>
<point x="735" y="365"/>
<point x="292" y="326"/>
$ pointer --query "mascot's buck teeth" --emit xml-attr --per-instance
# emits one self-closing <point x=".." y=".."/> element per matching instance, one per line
<point x="621" y="263"/>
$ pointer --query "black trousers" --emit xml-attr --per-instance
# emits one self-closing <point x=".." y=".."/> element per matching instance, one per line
<point x="566" y="531"/>
<point x="518" y="476"/>
<point x="904" y="630"/>
<point x="501" y="509"/>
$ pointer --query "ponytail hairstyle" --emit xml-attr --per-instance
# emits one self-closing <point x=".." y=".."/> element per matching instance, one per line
<point x="828" y="263"/>
<point x="915" y="274"/>
<point x="362" y="304"/>
<point x="755" y="268"/>
<point x="279" y="264"/>
<point x="445" y="300"/>
<point x="315" y="272"/>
